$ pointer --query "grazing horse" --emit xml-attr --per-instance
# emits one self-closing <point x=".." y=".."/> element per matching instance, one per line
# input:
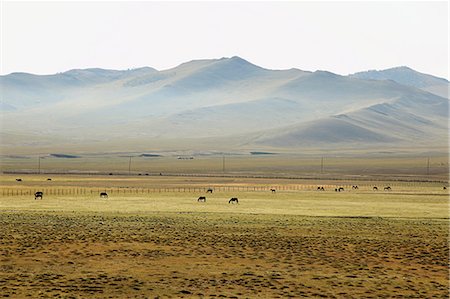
<point x="355" y="187"/>
<point x="103" y="195"/>
<point x="340" y="189"/>
<point x="19" y="180"/>
<point x="210" y="190"/>
<point x="375" y="188"/>
<point x="273" y="190"/>
<point x="387" y="188"/>
<point x="233" y="200"/>
<point x="49" y="179"/>
<point x="321" y="188"/>
<point x="38" y="195"/>
<point x="202" y="198"/>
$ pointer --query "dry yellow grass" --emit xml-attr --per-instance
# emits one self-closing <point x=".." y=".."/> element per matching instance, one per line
<point x="302" y="203"/>
<point x="292" y="243"/>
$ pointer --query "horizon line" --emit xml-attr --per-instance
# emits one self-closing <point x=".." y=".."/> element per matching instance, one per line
<point x="214" y="59"/>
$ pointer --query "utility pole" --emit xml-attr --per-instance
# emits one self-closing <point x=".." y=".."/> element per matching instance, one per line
<point x="129" y="166"/>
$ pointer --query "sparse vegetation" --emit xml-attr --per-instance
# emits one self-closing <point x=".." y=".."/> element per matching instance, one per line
<point x="292" y="243"/>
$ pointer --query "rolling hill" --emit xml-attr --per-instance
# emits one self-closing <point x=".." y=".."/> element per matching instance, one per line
<point x="229" y="100"/>
<point x="409" y="77"/>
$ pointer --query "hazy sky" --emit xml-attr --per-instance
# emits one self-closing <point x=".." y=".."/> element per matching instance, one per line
<point x="342" y="37"/>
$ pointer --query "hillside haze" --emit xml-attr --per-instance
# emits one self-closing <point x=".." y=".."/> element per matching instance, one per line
<point x="409" y="77"/>
<point x="222" y="103"/>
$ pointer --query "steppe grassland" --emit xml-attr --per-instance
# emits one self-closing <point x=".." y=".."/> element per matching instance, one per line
<point x="300" y="203"/>
<point x="283" y="164"/>
<point x="293" y="243"/>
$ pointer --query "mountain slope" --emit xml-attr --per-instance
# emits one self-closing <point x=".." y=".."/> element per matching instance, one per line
<point x="25" y="91"/>
<point x="220" y="98"/>
<point x="404" y="121"/>
<point x="409" y="77"/>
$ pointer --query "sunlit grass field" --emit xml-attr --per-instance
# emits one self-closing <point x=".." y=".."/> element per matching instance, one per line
<point x="301" y="203"/>
<point x="151" y="238"/>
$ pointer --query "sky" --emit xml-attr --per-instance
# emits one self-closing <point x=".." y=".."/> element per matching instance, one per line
<point x="341" y="37"/>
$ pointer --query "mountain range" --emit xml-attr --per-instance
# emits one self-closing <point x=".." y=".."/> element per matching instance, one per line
<point x="227" y="102"/>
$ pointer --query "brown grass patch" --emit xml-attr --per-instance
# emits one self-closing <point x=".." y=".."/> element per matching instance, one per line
<point x="220" y="255"/>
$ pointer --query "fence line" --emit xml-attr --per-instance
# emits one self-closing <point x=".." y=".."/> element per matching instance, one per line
<point x="21" y="191"/>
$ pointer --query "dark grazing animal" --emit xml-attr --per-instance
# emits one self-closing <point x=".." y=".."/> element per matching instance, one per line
<point x="273" y="190"/>
<point x="209" y="190"/>
<point x="375" y="188"/>
<point x="340" y="189"/>
<point x="49" y="179"/>
<point x="321" y="188"/>
<point x="19" y="180"/>
<point x="445" y="188"/>
<point x="103" y="195"/>
<point x="202" y="198"/>
<point x="355" y="187"/>
<point x="38" y="195"/>
<point x="387" y="188"/>
<point x="233" y="200"/>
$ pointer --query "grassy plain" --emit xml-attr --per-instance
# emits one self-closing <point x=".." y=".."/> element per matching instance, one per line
<point x="292" y="243"/>
<point x="282" y="165"/>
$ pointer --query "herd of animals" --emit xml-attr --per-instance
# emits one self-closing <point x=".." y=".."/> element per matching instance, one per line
<point x="40" y="195"/>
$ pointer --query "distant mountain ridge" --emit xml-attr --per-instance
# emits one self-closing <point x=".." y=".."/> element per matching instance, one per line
<point x="409" y="77"/>
<point x="403" y="75"/>
<point x="229" y="98"/>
